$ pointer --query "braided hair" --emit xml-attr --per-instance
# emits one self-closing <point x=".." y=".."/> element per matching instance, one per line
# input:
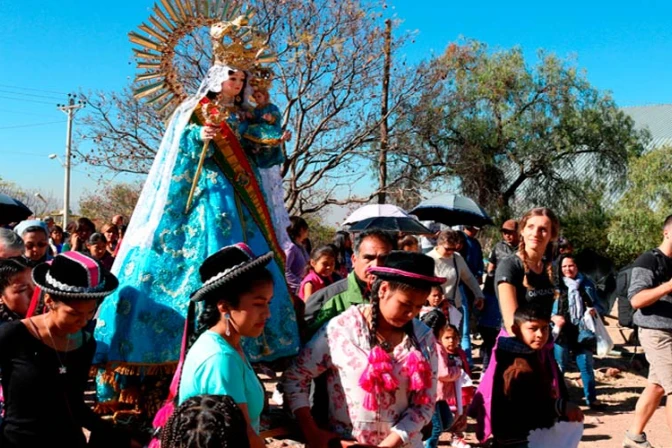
<point x="374" y="299"/>
<point x="9" y="268"/>
<point x="555" y="230"/>
<point x="206" y="421"/>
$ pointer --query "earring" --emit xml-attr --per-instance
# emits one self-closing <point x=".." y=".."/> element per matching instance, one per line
<point x="227" y="316"/>
<point x="238" y="98"/>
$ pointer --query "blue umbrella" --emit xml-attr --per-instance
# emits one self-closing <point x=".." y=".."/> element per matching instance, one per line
<point x="452" y="210"/>
<point x="12" y="210"/>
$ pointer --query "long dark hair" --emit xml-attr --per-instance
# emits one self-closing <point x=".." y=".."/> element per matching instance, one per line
<point x="206" y="421"/>
<point x="296" y="226"/>
<point x="340" y="246"/>
<point x="209" y="314"/>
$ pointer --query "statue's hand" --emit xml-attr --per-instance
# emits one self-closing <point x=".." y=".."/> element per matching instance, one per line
<point x="208" y="132"/>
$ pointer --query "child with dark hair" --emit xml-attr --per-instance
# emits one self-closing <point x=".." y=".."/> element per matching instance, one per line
<point x="443" y="417"/>
<point x="97" y="247"/>
<point x="16" y="289"/>
<point x="458" y="391"/>
<point x="343" y="246"/>
<point x="206" y="421"/>
<point x="320" y="272"/>
<point x="524" y="398"/>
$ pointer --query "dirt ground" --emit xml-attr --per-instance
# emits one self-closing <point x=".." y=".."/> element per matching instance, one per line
<point x="619" y="389"/>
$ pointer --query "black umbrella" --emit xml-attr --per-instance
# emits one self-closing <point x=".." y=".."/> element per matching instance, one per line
<point x="452" y="210"/>
<point x="391" y="224"/>
<point x="12" y="210"/>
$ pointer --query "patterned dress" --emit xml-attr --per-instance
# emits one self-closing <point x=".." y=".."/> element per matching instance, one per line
<point x="341" y="349"/>
<point x="140" y="326"/>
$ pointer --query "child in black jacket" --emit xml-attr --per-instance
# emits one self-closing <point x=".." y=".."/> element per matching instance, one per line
<point x="524" y="398"/>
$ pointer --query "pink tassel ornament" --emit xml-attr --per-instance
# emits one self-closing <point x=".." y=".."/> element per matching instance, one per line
<point x="419" y="373"/>
<point x="377" y="377"/>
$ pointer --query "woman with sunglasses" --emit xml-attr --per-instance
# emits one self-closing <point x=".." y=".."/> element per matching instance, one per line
<point x="36" y="240"/>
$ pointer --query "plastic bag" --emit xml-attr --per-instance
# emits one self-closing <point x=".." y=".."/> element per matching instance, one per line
<point x="561" y="435"/>
<point x="604" y="343"/>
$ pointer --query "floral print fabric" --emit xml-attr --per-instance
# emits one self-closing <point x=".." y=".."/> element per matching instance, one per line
<point x="341" y="349"/>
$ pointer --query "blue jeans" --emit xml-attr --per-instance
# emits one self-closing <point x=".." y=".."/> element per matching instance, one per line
<point x="441" y="421"/>
<point x="466" y="325"/>
<point x="584" y="361"/>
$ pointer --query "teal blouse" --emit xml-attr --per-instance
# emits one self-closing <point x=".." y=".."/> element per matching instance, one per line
<point x="213" y="366"/>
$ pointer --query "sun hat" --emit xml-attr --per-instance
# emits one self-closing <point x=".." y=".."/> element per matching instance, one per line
<point x="21" y="227"/>
<point x="74" y="276"/>
<point x="225" y="265"/>
<point x="408" y="267"/>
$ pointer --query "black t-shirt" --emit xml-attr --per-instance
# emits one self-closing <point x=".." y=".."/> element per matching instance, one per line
<point x="42" y="406"/>
<point x="541" y="291"/>
<point x="500" y="251"/>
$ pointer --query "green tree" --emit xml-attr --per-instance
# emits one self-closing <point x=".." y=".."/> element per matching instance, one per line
<point x="512" y="133"/>
<point x="639" y="215"/>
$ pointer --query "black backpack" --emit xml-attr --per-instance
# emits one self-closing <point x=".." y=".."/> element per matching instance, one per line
<point x="625" y="310"/>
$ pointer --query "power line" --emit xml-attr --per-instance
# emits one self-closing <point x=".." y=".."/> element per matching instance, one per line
<point x="31" y="125"/>
<point x="31" y="89"/>
<point x="24" y="112"/>
<point x="27" y="100"/>
<point x="49" y="97"/>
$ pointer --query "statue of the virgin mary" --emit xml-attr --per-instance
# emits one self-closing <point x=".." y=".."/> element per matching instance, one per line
<point x="202" y="193"/>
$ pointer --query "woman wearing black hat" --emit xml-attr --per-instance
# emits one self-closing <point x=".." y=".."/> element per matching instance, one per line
<point x="236" y="294"/>
<point x="380" y="362"/>
<point x="45" y="360"/>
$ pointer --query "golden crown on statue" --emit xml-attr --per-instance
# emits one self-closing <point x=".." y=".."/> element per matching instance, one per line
<point x="238" y="45"/>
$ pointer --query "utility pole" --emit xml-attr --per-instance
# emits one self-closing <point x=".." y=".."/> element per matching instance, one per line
<point x="382" y="159"/>
<point x="70" y="110"/>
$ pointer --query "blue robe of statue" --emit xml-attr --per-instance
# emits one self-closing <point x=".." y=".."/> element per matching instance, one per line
<point x="140" y="326"/>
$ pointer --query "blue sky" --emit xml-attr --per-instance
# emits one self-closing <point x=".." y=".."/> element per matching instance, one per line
<point x="60" y="46"/>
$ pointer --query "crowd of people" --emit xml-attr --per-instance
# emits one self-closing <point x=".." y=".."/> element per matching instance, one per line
<point x="374" y="330"/>
<point x="383" y="360"/>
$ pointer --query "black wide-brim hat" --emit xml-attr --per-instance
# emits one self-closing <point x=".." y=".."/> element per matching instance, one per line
<point x="74" y="276"/>
<point x="226" y="265"/>
<point x="412" y="268"/>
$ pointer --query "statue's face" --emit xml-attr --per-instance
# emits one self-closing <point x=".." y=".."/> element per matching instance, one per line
<point x="233" y="86"/>
<point x="260" y="97"/>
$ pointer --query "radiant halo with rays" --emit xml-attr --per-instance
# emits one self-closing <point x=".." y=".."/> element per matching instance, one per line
<point x="170" y="23"/>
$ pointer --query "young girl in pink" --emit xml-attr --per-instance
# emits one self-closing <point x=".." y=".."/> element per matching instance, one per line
<point x="320" y="272"/>
<point x="457" y="392"/>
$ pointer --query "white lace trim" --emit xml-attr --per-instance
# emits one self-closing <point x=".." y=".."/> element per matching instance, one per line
<point x="62" y="286"/>
<point x="211" y="280"/>
<point x="154" y="197"/>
